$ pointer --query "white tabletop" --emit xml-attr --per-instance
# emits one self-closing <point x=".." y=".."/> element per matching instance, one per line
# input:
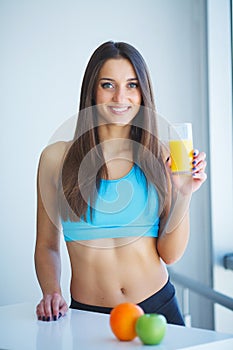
<point x="82" y="330"/>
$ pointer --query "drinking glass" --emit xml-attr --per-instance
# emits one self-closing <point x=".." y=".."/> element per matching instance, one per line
<point x="181" y="147"/>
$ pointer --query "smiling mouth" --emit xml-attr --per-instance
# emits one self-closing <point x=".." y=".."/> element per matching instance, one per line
<point x="119" y="110"/>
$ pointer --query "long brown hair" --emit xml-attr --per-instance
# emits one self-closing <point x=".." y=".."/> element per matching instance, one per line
<point x="79" y="179"/>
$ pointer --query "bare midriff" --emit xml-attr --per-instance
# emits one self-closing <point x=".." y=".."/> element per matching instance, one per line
<point x="106" y="272"/>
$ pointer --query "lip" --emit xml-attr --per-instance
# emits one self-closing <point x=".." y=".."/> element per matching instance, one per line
<point x="119" y="110"/>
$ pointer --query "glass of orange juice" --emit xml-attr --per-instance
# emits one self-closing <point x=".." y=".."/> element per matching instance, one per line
<point x="181" y="147"/>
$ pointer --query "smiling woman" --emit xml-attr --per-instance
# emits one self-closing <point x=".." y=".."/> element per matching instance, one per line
<point x="110" y="189"/>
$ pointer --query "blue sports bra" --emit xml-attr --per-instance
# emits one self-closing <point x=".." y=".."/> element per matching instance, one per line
<point x="125" y="207"/>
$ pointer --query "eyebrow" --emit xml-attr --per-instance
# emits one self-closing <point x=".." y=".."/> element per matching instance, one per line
<point x="110" y="79"/>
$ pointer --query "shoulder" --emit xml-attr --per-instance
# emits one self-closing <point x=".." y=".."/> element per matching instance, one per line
<point x="55" y="152"/>
<point x="52" y="158"/>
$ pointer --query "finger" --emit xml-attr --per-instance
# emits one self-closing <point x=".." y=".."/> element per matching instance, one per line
<point x="168" y="164"/>
<point x="199" y="167"/>
<point x="198" y="156"/>
<point x="56" y="305"/>
<point x="195" y="153"/>
<point x="200" y="176"/>
<point x="48" y="307"/>
<point x="40" y="311"/>
<point x="63" y="309"/>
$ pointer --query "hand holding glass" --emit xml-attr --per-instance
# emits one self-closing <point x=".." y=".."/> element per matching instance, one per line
<point x="181" y="148"/>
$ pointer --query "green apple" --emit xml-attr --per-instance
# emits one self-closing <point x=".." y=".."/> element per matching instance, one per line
<point x="151" y="328"/>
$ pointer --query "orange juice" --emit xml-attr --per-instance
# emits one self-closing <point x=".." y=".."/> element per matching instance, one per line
<point x="181" y="155"/>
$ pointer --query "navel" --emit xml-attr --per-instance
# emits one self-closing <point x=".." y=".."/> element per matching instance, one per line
<point x="123" y="290"/>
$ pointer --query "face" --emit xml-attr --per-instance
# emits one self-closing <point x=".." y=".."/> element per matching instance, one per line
<point x="118" y="94"/>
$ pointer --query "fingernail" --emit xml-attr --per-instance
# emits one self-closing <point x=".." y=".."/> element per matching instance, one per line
<point x="48" y="319"/>
<point x="55" y="318"/>
<point x="60" y="315"/>
<point x="194" y="169"/>
<point x="194" y="162"/>
<point x="39" y="318"/>
<point x="43" y="318"/>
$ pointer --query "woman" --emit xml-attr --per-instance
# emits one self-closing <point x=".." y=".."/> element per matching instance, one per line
<point x="112" y="193"/>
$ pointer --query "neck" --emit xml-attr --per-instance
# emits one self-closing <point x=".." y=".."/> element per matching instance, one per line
<point x="115" y="141"/>
<point x="110" y="132"/>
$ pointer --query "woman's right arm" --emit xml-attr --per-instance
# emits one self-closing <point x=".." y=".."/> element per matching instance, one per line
<point x="47" y="250"/>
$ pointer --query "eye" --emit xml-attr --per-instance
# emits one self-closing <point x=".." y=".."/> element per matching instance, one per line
<point x="107" y="85"/>
<point x="133" y="85"/>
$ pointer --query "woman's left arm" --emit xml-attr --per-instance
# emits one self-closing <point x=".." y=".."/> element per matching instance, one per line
<point x="174" y="237"/>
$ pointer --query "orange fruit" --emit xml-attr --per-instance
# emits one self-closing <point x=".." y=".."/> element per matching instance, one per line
<point x="123" y="319"/>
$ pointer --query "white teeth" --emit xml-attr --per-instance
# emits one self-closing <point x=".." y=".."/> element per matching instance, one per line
<point x="119" y="109"/>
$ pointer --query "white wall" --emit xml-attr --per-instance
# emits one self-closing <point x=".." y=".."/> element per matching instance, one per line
<point x="45" y="47"/>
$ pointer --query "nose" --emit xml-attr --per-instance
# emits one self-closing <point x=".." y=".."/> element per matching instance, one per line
<point x="120" y="95"/>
